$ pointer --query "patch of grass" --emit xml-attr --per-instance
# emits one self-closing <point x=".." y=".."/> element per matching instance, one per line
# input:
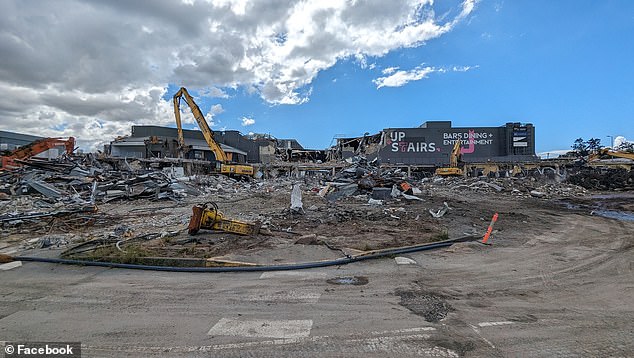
<point x="441" y="236"/>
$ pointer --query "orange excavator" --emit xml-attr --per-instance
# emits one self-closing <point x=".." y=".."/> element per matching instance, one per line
<point x="33" y="149"/>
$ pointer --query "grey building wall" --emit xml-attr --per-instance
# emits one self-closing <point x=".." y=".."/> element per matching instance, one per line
<point x="11" y="140"/>
<point x="432" y="142"/>
<point x="231" y="138"/>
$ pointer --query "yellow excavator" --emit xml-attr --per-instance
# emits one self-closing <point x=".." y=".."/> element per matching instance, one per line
<point x="223" y="165"/>
<point x="454" y="157"/>
<point x="606" y="151"/>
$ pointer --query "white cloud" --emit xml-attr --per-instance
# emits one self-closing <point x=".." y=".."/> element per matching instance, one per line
<point x="110" y="62"/>
<point x="389" y="70"/>
<point x="401" y="77"/>
<point x="213" y="92"/>
<point x="209" y="118"/>
<point x="216" y="109"/>
<point x="246" y="121"/>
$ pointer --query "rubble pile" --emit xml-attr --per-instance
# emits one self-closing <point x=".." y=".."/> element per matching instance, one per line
<point x="77" y="181"/>
<point x="606" y="179"/>
<point x="515" y="186"/>
<point x="362" y="178"/>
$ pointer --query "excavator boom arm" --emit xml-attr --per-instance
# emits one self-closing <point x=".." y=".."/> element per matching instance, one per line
<point x="455" y="155"/>
<point x="37" y="147"/>
<point x="200" y="120"/>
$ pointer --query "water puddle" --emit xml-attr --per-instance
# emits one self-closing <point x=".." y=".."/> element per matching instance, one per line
<point x="618" y="215"/>
<point x="612" y="206"/>
<point x="349" y="280"/>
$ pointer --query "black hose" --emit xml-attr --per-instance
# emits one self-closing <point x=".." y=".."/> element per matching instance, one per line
<point x="306" y="265"/>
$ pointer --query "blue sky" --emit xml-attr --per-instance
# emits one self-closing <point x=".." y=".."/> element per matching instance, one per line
<point x="312" y="69"/>
<point x="565" y="66"/>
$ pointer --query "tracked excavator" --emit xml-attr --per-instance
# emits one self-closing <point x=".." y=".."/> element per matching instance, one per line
<point x="612" y="153"/>
<point x="454" y="157"/>
<point x="8" y="161"/>
<point x="222" y="165"/>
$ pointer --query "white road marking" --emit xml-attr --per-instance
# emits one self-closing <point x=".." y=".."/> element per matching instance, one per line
<point x="489" y="324"/>
<point x="10" y="265"/>
<point x="262" y="328"/>
<point x="400" y="260"/>
<point x="292" y="274"/>
<point x="477" y="331"/>
<point x="284" y="296"/>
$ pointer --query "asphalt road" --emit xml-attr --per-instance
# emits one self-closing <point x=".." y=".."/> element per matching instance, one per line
<point x="566" y="293"/>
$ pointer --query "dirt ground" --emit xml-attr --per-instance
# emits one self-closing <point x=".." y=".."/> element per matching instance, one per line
<point x="159" y="228"/>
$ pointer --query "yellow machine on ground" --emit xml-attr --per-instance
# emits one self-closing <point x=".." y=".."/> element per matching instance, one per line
<point x="454" y="157"/>
<point x="612" y="153"/>
<point x="224" y="166"/>
<point x="208" y="217"/>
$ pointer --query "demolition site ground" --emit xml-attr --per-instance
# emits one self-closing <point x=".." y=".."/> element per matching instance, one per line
<point x="556" y="280"/>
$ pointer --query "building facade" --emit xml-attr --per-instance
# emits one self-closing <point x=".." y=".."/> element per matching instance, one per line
<point x="431" y="144"/>
<point x="162" y="142"/>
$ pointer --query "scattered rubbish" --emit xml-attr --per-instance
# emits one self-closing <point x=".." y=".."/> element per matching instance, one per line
<point x="395" y="192"/>
<point x="375" y="202"/>
<point x="343" y="191"/>
<point x="381" y="193"/>
<point x="440" y="212"/>
<point x="537" y="194"/>
<point x="411" y="197"/>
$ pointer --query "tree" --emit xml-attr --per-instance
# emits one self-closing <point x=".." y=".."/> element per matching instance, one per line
<point x="593" y="145"/>
<point x="626" y="147"/>
<point x="580" y="147"/>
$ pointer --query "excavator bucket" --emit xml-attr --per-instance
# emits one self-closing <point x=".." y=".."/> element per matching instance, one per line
<point x="195" y="221"/>
<point x="208" y="217"/>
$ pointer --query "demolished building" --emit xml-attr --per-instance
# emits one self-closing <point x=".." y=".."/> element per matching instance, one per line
<point x="162" y="142"/>
<point x="430" y="144"/>
<point x="147" y="142"/>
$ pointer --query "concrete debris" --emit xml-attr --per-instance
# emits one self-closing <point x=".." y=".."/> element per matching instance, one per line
<point x="361" y="207"/>
<point x="381" y="193"/>
<point x="395" y="193"/>
<point x="296" y="199"/>
<point x="603" y="179"/>
<point x="440" y="212"/>
<point x="375" y="202"/>
<point x="411" y="197"/>
<point x="537" y="194"/>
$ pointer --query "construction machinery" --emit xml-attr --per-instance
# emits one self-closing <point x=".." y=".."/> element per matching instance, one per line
<point x="207" y="216"/>
<point x="223" y="165"/>
<point x="454" y="157"/>
<point x="612" y="153"/>
<point x="8" y="161"/>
